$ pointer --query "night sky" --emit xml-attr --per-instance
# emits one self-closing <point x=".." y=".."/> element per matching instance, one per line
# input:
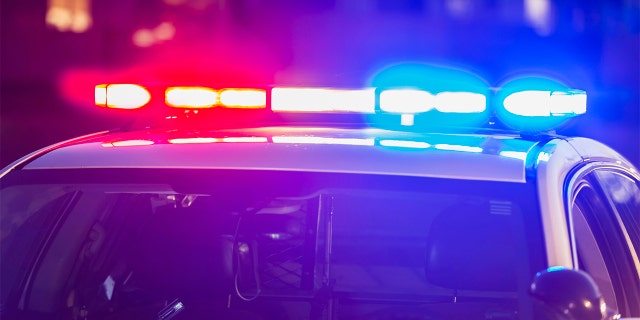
<point x="48" y="72"/>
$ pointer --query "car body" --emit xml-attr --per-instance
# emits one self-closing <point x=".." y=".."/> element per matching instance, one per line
<point x="320" y="221"/>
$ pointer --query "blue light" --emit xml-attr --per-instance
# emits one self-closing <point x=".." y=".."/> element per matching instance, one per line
<point x="556" y="268"/>
<point x="461" y="102"/>
<point x="537" y="104"/>
<point x="425" y="96"/>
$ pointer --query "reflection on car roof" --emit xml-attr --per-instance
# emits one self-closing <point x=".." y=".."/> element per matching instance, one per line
<point x="457" y="156"/>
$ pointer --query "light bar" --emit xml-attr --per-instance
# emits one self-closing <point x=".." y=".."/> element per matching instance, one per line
<point x="533" y="103"/>
<point x="191" y="97"/>
<point x="243" y="98"/>
<point x="323" y="100"/>
<point x="121" y="96"/>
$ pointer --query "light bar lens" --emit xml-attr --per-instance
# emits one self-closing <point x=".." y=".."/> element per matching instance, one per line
<point x="461" y="102"/>
<point x="121" y="96"/>
<point x="322" y="100"/>
<point x="411" y="101"/>
<point x="533" y="103"/>
<point x="243" y="98"/>
<point x="406" y="101"/>
<point x="191" y="97"/>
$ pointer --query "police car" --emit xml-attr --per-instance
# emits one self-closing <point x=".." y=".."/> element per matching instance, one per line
<point x="238" y="203"/>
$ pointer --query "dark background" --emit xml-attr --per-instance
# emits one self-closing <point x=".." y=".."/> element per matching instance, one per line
<point x="48" y="70"/>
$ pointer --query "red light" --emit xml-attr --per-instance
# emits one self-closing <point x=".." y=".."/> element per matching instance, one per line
<point x="191" y="97"/>
<point x="243" y="98"/>
<point x="121" y="96"/>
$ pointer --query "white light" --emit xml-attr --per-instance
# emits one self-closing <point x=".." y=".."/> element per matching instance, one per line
<point x="405" y="144"/>
<point x="323" y="100"/>
<point x="244" y="139"/>
<point x="533" y="103"/>
<point x="406" y="101"/>
<point x="572" y="102"/>
<point x="461" y="102"/>
<point x="121" y="96"/>
<point x="324" y="140"/>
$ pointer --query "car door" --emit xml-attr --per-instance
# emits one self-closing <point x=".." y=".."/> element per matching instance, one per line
<point x="603" y="214"/>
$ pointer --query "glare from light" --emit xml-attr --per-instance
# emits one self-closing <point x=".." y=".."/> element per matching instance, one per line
<point x="455" y="147"/>
<point x="164" y="31"/>
<point x="543" y="157"/>
<point x="72" y="15"/>
<point x="406" y="101"/>
<point x="81" y="22"/>
<point x="121" y="96"/>
<point x="192" y="140"/>
<point x="323" y="100"/>
<point x="191" y="97"/>
<point x="143" y="38"/>
<point x="555" y="268"/>
<point x="461" y="102"/>
<point x="245" y="139"/>
<point x="323" y="140"/>
<point x="243" y="98"/>
<point x="128" y="143"/>
<point x="514" y="154"/>
<point x="535" y="103"/>
<point x="405" y="144"/>
<point x="538" y="14"/>
<point x="59" y="17"/>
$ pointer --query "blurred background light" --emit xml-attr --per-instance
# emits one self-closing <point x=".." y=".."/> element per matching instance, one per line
<point x="69" y="15"/>
<point x="538" y="13"/>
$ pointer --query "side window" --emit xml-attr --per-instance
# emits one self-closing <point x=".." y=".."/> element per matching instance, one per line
<point x="589" y="250"/>
<point x="624" y="194"/>
<point x="601" y="247"/>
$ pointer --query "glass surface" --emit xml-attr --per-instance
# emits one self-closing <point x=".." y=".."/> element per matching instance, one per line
<point x="195" y="244"/>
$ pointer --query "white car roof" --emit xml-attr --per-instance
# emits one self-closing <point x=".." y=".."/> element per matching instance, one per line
<point x="370" y="151"/>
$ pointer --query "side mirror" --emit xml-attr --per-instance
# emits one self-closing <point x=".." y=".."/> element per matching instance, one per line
<point x="570" y="294"/>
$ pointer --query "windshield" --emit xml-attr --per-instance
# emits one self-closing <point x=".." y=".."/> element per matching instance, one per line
<point x="196" y="244"/>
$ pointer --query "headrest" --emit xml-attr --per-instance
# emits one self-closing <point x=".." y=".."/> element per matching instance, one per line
<point x="471" y="248"/>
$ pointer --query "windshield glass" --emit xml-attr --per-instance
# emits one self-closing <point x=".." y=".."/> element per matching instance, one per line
<point x="195" y="244"/>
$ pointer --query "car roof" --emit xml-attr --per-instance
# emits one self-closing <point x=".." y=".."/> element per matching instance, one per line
<point x="314" y="149"/>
